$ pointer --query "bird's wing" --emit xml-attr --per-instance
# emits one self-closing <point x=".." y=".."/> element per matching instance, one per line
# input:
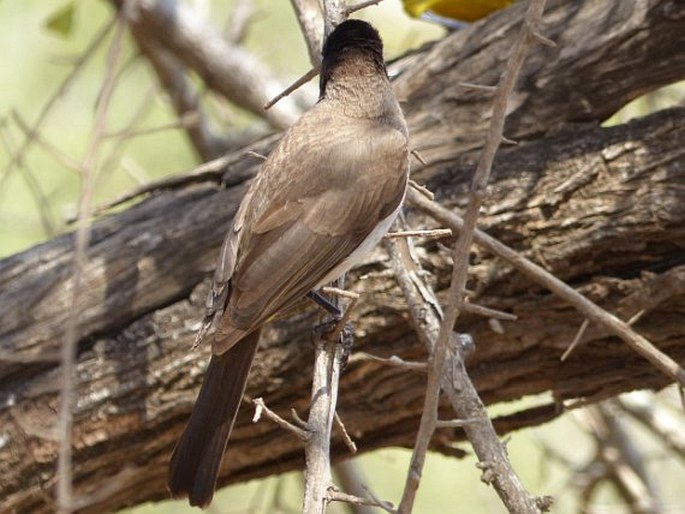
<point x="328" y="192"/>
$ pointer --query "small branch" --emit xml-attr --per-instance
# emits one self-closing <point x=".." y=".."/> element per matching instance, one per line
<point x="539" y="275"/>
<point x="419" y="158"/>
<point x="338" y="496"/>
<point x="33" y="184"/>
<point x="428" y="233"/>
<point x="362" y="5"/>
<point x="84" y="57"/>
<point x="242" y="14"/>
<point x="478" y="87"/>
<point x="391" y="361"/>
<point x="454" y="423"/>
<point x="349" y="475"/>
<point x="65" y="499"/>
<point x="216" y="171"/>
<point x="486" y="312"/>
<point x="579" y="335"/>
<point x="292" y="87"/>
<point x="423" y="190"/>
<point x="261" y="408"/>
<point x="328" y="357"/>
<point x="661" y="421"/>
<point x="61" y="157"/>
<point x="346" y="436"/>
<point x="342" y="293"/>
<point x="622" y="462"/>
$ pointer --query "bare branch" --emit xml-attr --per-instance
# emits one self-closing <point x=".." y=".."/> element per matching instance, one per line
<point x="487" y="312"/>
<point x="362" y="5"/>
<point x="334" y="13"/>
<point x="541" y="276"/>
<point x="391" y="361"/>
<point x="65" y="500"/>
<point x="579" y="335"/>
<point x="667" y="427"/>
<point x="228" y="69"/>
<point x="346" y="436"/>
<point x="33" y="184"/>
<point x="338" y="496"/>
<point x="183" y="95"/>
<point x="292" y="87"/>
<point x="261" y="408"/>
<point x="351" y="478"/>
<point x="327" y="364"/>
<point x="310" y="17"/>
<point x="242" y="14"/>
<point x="621" y="461"/>
<point x="425" y="233"/>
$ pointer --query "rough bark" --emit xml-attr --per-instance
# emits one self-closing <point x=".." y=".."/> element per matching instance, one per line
<point x="604" y="209"/>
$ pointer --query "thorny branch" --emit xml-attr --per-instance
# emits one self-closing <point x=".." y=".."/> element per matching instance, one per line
<point x="589" y="309"/>
<point x="485" y="441"/>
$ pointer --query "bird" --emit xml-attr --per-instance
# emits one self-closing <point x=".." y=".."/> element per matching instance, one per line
<point x="461" y="10"/>
<point x="325" y="196"/>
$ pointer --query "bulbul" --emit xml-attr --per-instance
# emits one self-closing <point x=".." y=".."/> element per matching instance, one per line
<point x="325" y="196"/>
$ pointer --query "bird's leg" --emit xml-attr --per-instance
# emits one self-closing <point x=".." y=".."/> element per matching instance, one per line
<point x="337" y="329"/>
<point x="325" y="304"/>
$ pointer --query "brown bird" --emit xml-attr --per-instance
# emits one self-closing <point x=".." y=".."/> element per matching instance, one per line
<point x="324" y="197"/>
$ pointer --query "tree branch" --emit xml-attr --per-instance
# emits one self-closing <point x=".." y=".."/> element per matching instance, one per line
<point x="226" y="68"/>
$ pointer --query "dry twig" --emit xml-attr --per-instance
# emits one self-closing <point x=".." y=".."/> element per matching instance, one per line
<point x="261" y="408"/>
<point x="61" y="90"/>
<point x="618" y="460"/>
<point x="65" y="500"/>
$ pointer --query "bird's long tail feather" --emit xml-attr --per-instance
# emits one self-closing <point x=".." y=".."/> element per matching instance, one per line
<point x="196" y="460"/>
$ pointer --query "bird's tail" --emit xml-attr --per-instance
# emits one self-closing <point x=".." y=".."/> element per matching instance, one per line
<point x="195" y="463"/>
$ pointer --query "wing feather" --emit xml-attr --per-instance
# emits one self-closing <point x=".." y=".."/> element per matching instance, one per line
<point x="314" y="202"/>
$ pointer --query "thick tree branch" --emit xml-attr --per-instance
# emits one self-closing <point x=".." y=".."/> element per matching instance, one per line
<point x="607" y="54"/>
<point x="137" y="385"/>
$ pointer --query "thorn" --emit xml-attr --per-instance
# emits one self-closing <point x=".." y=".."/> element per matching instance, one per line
<point x="543" y="40"/>
<point x="418" y="156"/>
<point x="292" y="87"/>
<point x="422" y="190"/>
<point x="478" y="87"/>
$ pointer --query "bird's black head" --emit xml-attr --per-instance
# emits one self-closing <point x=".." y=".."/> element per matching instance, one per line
<point x="351" y="37"/>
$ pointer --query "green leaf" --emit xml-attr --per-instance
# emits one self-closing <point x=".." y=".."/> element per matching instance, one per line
<point x="61" y="21"/>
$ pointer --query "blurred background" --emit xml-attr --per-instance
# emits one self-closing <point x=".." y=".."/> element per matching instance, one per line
<point x="44" y="43"/>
